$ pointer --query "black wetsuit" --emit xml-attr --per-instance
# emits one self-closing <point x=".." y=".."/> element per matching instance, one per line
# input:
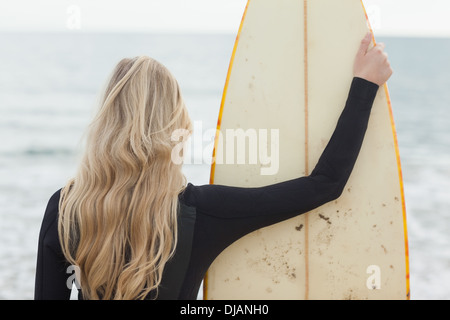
<point x="212" y="216"/>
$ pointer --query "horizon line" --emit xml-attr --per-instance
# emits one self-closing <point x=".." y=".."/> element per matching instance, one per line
<point x="196" y="32"/>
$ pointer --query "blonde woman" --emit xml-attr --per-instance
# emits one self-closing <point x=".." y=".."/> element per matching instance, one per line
<point x="131" y="226"/>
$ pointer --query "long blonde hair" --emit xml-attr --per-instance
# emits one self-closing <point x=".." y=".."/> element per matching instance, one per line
<point x="118" y="215"/>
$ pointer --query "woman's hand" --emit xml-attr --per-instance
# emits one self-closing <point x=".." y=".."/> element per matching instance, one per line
<point x="372" y="64"/>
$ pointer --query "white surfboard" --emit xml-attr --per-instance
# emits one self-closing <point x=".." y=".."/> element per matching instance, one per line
<point x="290" y="74"/>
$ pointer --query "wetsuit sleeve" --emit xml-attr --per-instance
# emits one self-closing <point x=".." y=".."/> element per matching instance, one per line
<point x="51" y="267"/>
<point x="225" y="213"/>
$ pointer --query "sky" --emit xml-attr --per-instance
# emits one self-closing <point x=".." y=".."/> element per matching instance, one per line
<point x="388" y="17"/>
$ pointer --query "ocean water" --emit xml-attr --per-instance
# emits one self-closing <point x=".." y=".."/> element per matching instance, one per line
<point x="50" y="84"/>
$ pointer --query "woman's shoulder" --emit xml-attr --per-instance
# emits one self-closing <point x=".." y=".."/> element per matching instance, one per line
<point x="194" y="195"/>
<point x="187" y="195"/>
<point x="53" y="204"/>
<point x="50" y="219"/>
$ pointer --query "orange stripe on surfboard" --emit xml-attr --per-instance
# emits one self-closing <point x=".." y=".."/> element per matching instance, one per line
<point x="225" y="90"/>
<point x="399" y="167"/>
<point x="219" y="123"/>
<point x="402" y="192"/>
